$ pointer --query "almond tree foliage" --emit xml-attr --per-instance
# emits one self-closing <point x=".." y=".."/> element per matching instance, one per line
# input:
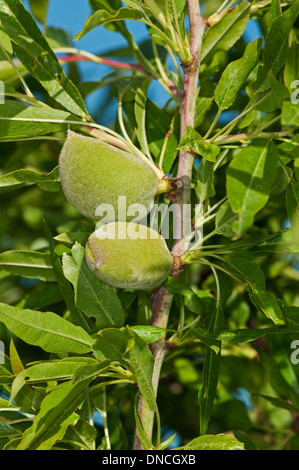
<point x="168" y="368"/>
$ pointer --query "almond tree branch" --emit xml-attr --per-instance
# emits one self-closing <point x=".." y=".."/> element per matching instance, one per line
<point x="162" y="300"/>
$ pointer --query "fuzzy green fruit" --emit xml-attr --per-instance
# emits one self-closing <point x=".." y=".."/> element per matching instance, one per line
<point x="93" y="173"/>
<point x="141" y="263"/>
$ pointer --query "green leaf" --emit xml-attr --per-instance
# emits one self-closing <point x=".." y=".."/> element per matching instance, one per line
<point x="46" y="371"/>
<point x="205" y="181"/>
<point x="250" y="176"/>
<point x="46" y="330"/>
<point x="101" y="17"/>
<point x="17" y="121"/>
<point x="276" y="43"/>
<point x="214" y="442"/>
<point x="142" y="362"/>
<point x="112" y="344"/>
<point x="92" y="296"/>
<point x="39" y="9"/>
<point x="140" y="115"/>
<point x="290" y="114"/>
<point x="64" y="286"/>
<point x="36" y="55"/>
<point x="223" y="35"/>
<point x="277" y="380"/>
<point x="31" y="264"/>
<point x="22" y="178"/>
<point x="280" y="92"/>
<point x="211" y="366"/>
<point x="192" y="139"/>
<point x="57" y="410"/>
<point x="148" y="333"/>
<point x="244" y="335"/>
<point x="253" y="278"/>
<point x="235" y="75"/>
<point x="6" y="430"/>
<point x="291" y="71"/>
<point x="224" y="220"/>
<point x="70" y="238"/>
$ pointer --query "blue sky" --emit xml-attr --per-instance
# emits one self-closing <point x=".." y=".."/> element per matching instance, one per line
<point x="70" y="15"/>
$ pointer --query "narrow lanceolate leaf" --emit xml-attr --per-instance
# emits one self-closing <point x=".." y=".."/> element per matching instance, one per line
<point x="140" y="115"/>
<point x="235" y="75"/>
<point x="46" y="371"/>
<point x="31" y="264"/>
<point x="214" y="442"/>
<point x="18" y="121"/>
<point x="207" y="393"/>
<point x="46" y="330"/>
<point x="22" y="178"/>
<point x="58" y="410"/>
<point x="250" y="176"/>
<point x="36" y="55"/>
<point x="226" y="33"/>
<point x="251" y="275"/>
<point x="92" y="296"/>
<point x="103" y="17"/>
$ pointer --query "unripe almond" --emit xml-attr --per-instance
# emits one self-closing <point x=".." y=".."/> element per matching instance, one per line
<point x="93" y="173"/>
<point x="129" y="255"/>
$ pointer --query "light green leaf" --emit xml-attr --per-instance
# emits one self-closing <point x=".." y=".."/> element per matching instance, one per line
<point x="17" y="121"/>
<point x="31" y="264"/>
<point x="250" y="176"/>
<point x="36" y="55"/>
<point x="290" y="114"/>
<point x="22" y="178"/>
<point x="226" y="33"/>
<point x="214" y="442"/>
<point x="92" y="296"/>
<point x="101" y="17"/>
<point x="235" y="75"/>
<point x="46" y="330"/>
<point x="192" y="139"/>
<point x="148" y="333"/>
<point x="205" y="182"/>
<point x="58" y="410"/>
<point x="47" y="371"/>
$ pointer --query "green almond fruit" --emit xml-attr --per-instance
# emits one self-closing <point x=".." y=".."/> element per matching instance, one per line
<point x="93" y="173"/>
<point x="129" y="255"/>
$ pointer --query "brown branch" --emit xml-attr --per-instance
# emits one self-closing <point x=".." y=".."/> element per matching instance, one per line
<point x="162" y="300"/>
